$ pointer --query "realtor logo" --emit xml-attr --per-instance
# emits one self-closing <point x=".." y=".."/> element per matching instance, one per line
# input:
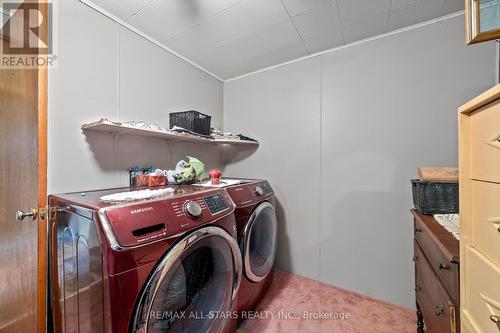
<point x="27" y="34"/>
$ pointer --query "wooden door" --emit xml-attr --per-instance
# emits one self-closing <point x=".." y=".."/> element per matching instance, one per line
<point x="23" y="181"/>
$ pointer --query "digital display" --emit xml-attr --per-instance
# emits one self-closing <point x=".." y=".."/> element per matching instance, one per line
<point x="216" y="203"/>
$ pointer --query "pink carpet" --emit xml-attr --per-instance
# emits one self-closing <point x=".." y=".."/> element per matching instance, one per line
<point x="291" y="298"/>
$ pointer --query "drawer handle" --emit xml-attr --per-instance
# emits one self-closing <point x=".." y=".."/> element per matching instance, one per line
<point x="439" y="310"/>
<point x="417" y="288"/>
<point x="415" y="258"/>
<point x="443" y="266"/>
<point x="495" y="319"/>
<point x="418" y="230"/>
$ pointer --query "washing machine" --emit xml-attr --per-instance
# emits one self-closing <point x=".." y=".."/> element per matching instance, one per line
<point x="257" y="230"/>
<point x="170" y="263"/>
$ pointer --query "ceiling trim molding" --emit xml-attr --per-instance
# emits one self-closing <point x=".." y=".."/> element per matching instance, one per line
<point x="317" y="54"/>
<point x="104" y="12"/>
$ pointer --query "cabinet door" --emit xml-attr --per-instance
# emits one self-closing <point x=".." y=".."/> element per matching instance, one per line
<point x="482" y="307"/>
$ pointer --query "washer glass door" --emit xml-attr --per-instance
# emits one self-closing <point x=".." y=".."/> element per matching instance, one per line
<point x="260" y="240"/>
<point x="193" y="287"/>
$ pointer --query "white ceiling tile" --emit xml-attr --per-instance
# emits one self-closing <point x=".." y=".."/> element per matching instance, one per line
<point x="214" y="32"/>
<point x="322" y="20"/>
<point x="280" y="55"/>
<point x="415" y="13"/>
<point x="163" y="19"/>
<point x="296" y="7"/>
<point x="233" y="53"/>
<point x="274" y="44"/>
<point x="323" y="42"/>
<point x="363" y="29"/>
<point x="278" y="35"/>
<point x="234" y="71"/>
<point x="233" y="37"/>
<point x="352" y="11"/>
<point x="401" y="3"/>
<point x="122" y="9"/>
<point x="264" y="60"/>
<point x="243" y="48"/>
<point x="246" y="17"/>
<point x="453" y="6"/>
<point x="263" y="13"/>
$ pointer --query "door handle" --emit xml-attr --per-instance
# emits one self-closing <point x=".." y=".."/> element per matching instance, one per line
<point x="20" y="215"/>
<point x="495" y="319"/>
<point x="443" y="266"/>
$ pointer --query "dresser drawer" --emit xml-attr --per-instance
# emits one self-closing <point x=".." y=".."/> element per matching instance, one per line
<point x="485" y="144"/>
<point x="482" y="292"/>
<point x="447" y="271"/>
<point x="486" y="219"/>
<point x="437" y="307"/>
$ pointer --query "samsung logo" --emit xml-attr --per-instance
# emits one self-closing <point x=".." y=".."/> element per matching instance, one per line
<point x="141" y="210"/>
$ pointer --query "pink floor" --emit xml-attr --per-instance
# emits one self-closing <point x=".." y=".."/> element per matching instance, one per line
<point x="292" y="297"/>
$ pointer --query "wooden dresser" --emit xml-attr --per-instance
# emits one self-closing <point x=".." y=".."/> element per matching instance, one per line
<point x="479" y="129"/>
<point x="436" y="276"/>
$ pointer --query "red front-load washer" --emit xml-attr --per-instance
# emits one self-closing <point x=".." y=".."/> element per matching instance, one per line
<point x="166" y="264"/>
<point x="257" y="229"/>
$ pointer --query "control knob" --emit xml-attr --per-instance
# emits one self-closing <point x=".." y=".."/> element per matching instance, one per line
<point x="192" y="209"/>
<point x="259" y="190"/>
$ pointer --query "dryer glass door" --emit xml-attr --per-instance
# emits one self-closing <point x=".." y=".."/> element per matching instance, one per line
<point x="193" y="287"/>
<point x="260" y="240"/>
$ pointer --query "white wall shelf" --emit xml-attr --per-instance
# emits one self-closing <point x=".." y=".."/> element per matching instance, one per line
<point x="105" y="125"/>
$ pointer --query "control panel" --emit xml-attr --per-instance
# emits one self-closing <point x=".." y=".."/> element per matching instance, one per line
<point x="192" y="209"/>
<point x="216" y="203"/>
<point x="263" y="189"/>
<point x="248" y="194"/>
<point x="156" y="219"/>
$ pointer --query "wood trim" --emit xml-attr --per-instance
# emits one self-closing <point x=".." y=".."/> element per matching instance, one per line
<point x="472" y="25"/>
<point x="42" y="187"/>
<point x="466" y="30"/>
<point x="465" y="194"/>
<point x="42" y="201"/>
<point x="485" y="98"/>
<point x="484" y="37"/>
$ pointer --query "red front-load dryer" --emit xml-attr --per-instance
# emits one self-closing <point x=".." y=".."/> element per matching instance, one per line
<point x="257" y="229"/>
<point x="170" y="263"/>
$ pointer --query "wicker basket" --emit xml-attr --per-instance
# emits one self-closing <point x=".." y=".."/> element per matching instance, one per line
<point x="193" y="121"/>
<point x="435" y="197"/>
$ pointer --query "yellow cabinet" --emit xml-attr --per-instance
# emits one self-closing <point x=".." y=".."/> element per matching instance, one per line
<point x="479" y="150"/>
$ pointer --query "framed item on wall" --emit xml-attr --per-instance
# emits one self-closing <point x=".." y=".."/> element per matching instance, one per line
<point x="482" y="20"/>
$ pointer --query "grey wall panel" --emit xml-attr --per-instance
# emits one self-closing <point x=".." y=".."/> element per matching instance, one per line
<point x="83" y="88"/>
<point x="154" y="83"/>
<point x="282" y="109"/>
<point x="387" y="107"/>
<point x="106" y="70"/>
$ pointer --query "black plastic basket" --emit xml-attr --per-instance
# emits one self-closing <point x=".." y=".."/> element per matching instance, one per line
<point x="193" y="121"/>
<point x="435" y="197"/>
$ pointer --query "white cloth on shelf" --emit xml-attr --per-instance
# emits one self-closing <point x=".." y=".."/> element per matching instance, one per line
<point x="450" y="222"/>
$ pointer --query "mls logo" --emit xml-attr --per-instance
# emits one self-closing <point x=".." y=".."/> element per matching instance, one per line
<point x="24" y="28"/>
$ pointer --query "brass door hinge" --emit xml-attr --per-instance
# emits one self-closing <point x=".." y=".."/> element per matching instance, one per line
<point x="45" y="213"/>
<point x="42" y="214"/>
<point x="53" y="213"/>
<point x="453" y="320"/>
